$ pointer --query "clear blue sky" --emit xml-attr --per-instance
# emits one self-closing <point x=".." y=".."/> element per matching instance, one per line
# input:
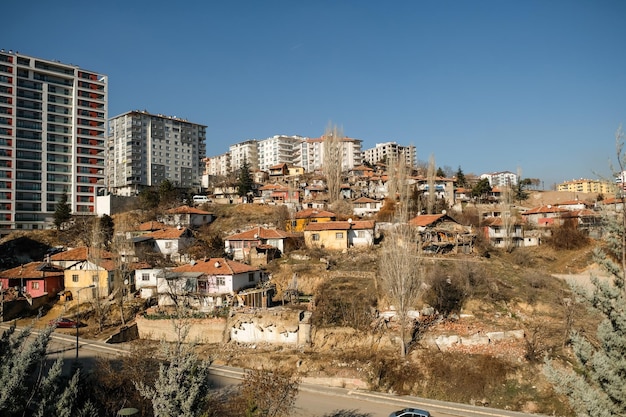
<point x="486" y="85"/>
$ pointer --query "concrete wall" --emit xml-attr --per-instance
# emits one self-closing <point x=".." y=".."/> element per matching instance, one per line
<point x="200" y="330"/>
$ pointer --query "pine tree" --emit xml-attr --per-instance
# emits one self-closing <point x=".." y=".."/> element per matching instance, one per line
<point x="28" y="387"/>
<point x="62" y="212"/>
<point x="597" y="388"/>
<point x="461" y="181"/>
<point x="182" y="386"/>
<point x="244" y="182"/>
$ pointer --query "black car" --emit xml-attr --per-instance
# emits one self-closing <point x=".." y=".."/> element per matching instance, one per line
<point x="410" y="412"/>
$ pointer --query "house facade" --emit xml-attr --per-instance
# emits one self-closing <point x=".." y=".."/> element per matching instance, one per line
<point x="309" y="215"/>
<point x="185" y="216"/>
<point x="339" y="235"/>
<point x="365" y="206"/>
<point x="240" y="244"/>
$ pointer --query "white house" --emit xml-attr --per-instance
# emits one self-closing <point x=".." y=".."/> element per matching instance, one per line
<point x="170" y="242"/>
<point x="365" y="206"/>
<point x="185" y="216"/>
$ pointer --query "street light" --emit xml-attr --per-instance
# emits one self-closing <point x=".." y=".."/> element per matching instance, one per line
<point x="78" y="313"/>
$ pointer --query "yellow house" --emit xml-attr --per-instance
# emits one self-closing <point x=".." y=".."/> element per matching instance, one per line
<point x="339" y="235"/>
<point x="83" y="274"/>
<point x="306" y="216"/>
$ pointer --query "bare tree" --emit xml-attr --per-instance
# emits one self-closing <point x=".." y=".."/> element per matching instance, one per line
<point x="398" y="188"/>
<point x="95" y="253"/>
<point x="269" y="394"/>
<point x="333" y="143"/>
<point x="430" y="177"/>
<point x="401" y="275"/>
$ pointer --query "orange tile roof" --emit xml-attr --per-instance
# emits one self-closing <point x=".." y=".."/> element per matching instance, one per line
<point x="260" y="233"/>
<point x="545" y="209"/>
<point x="312" y="213"/>
<point x="150" y="226"/>
<point x="81" y="254"/>
<point x="216" y="266"/>
<point x="32" y="270"/>
<point x="171" y="233"/>
<point x="340" y="225"/>
<point x="365" y="200"/>
<point x="425" y="219"/>
<point x="186" y="210"/>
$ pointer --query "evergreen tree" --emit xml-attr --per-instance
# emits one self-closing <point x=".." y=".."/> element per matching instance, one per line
<point x="597" y="388"/>
<point x="182" y="386"/>
<point x="440" y="173"/>
<point x="107" y="227"/>
<point x="62" y="212"/>
<point x="481" y="189"/>
<point x="461" y="181"/>
<point x="244" y="182"/>
<point x="28" y="386"/>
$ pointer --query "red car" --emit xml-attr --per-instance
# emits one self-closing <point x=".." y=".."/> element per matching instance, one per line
<point x="65" y="323"/>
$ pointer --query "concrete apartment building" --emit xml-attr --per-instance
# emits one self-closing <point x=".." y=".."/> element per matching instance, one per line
<point x="247" y="151"/>
<point x="390" y="151"/>
<point x="501" y="179"/>
<point x="588" y="186"/>
<point x="52" y="139"/>
<point x="279" y="149"/>
<point x="312" y="154"/>
<point x="145" y="149"/>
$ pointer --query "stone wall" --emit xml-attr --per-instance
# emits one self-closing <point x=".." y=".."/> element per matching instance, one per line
<point x="200" y="330"/>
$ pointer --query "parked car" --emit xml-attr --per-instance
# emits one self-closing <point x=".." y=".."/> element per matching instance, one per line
<point x="410" y="412"/>
<point x="65" y="323"/>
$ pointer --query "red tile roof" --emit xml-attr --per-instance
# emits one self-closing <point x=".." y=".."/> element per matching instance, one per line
<point x="216" y="266"/>
<point x="32" y="270"/>
<point x="365" y="200"/>
<point x="545" y="209"/>
<point x="81" y="254"/>
<point x="312" y="213"/>
<point x="186" y="210"/>
<point x="260" y="233"/>
<point x="341" y="225"/>
<point x="171" y="233"/>
<point x="425" y="219"/>
<point x="150" y="226"/>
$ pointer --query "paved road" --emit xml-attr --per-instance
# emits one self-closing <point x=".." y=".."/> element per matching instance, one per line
<point x="313" y="400"/>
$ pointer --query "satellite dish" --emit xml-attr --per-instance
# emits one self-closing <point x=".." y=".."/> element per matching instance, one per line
<point x="125" y="282"/>
<point x="350" y="220"/>
<point x="217" y="264"/>
<point x="443" y="212"/>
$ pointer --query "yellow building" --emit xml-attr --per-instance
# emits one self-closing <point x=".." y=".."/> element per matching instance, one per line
<point x="306" y="216"/>
<point x="84" y="274"/>
<point x="587" y="186"/>
<point x="339" y="235"/>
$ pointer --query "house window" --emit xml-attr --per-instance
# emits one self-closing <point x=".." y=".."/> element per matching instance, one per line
<point x="94" y="278"/>
<point x="145" y="277"/>
<point x="34" y="285"/>
<point x="339" y="235"/>
<point x="251" y="277"/>
<point x="75" y="278"/>
<point x="220" y="281"/>
<point x="360" y="234"/>
<point x="168" y="245"/>
<point x="315" y="237"/>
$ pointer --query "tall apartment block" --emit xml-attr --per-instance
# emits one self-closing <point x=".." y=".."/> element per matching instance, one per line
<point x="247" y="151"/>
<point x="312" y="154"/>
<point x="52" y="132"/>
<point x="145" y="149"/>
<point x="387" y="150"/>
<point x="279" y="149"/>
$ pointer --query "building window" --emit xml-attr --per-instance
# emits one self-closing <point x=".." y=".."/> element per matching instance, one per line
<point x="168" y="245"/>
<point x="34" y="285"/>
<point x="75" y="278"/>
<point x="360" y="234"/>
<point x="315" y="237"/>
<point x="94" y="278"/>
<point x="145" y="277"/>
<point x="251" y="277"/>
<point x="339" y="235"/>
<point x="220" y="281"/>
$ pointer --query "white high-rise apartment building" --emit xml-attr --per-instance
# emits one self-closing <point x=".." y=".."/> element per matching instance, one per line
<point x="146" y="149"/>
<point x="247" y="151"/>
<point x="52" y="139"/>
<point x="501" y="179"/>
<point x="312" y="154"/>
<point x="387" y="150"/>
<point x="279" y="149"/>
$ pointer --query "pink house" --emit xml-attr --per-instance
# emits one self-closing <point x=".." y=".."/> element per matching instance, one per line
<point x="33" y="280"/>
